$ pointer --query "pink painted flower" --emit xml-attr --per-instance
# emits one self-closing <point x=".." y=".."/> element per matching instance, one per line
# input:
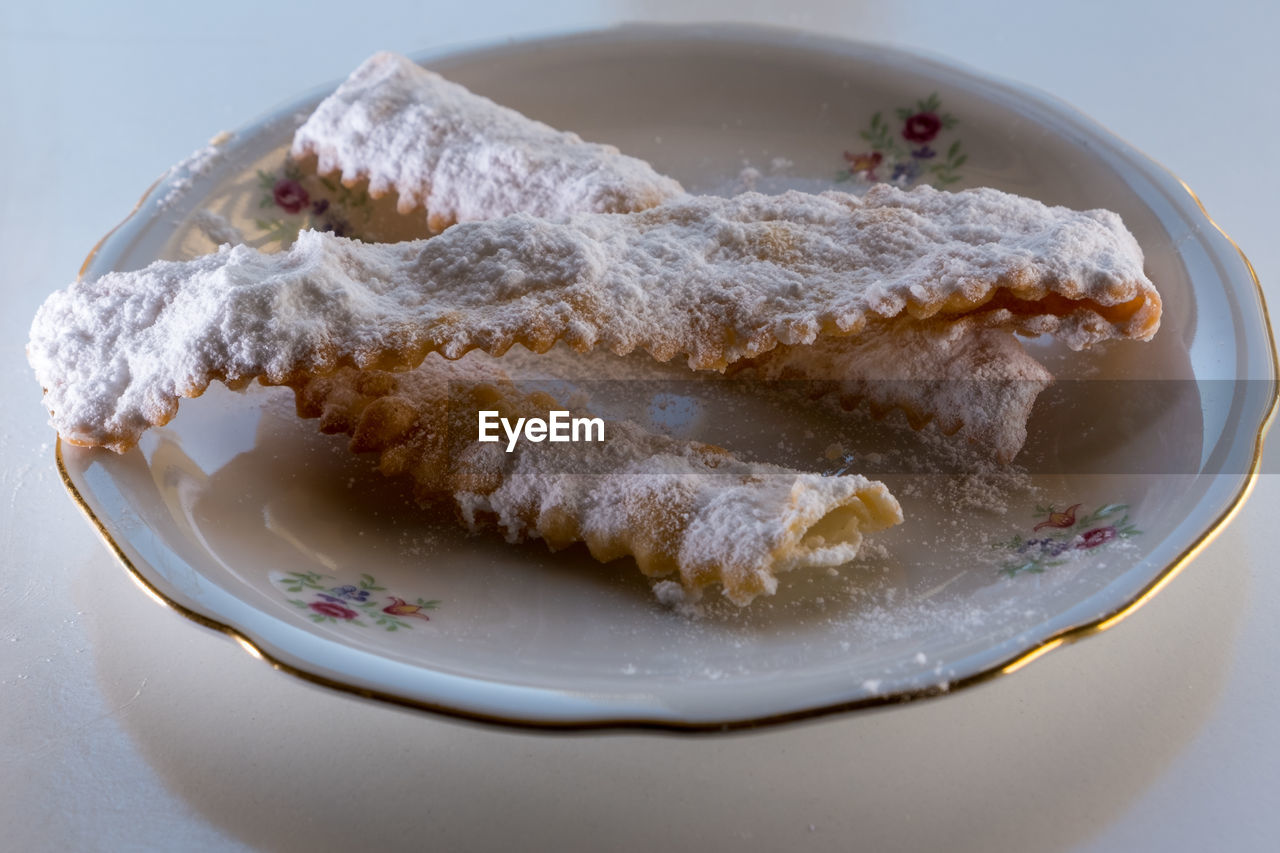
<point x="922" y="127"/>
<point x="1097" y="536"/>
<point x="337" y="611"/>
<point x="290" y="195"/>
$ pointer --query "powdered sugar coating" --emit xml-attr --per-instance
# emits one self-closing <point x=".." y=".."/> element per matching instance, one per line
<point x="463" y="157"/>
<point x="972" y="380"/>
<point x="682" y="509"/>
<point x="712" y="279"/>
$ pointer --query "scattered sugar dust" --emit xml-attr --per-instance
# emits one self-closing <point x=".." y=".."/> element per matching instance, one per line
<point x="217" y="228"/>
<point x="182" y="176"/>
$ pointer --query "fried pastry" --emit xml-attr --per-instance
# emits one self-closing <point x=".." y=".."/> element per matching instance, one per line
<point x="395" y="120"/>
<point x="714" y="280"/>
<point x="975" y="383"/>
<point x="684" y="510"/>
<point x="972" y="381"/>
<point x="463" y="157"/>
<point x="936" y="368"/>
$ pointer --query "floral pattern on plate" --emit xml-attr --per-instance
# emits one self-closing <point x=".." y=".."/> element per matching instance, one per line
<point x="291" y="200"/>
<point x="908" y="151"/>
<point x="352" y="603"/>
<point x="1059" y="532"/>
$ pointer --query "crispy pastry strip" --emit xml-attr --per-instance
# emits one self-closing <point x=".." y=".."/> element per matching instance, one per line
<point x="713" y="279"/>
<point x="463" y="157"/>
<point x="683" y="510"/>
<point x="975" y="382"/>
<point x="978" y="382"/>
<point x="394" y="120"/>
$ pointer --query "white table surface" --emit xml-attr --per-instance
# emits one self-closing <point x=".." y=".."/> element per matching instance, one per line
<point x="123" y="726"/>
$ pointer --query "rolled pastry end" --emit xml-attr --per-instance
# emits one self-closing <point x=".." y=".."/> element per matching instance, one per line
<point x="690" y="514"/>
<point x="738" y="527"/>
<point x="748" y="534"/>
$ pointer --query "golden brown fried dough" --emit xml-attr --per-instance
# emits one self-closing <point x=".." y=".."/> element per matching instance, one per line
<point x="714" y="280"/>
<point x="684" y="510"/>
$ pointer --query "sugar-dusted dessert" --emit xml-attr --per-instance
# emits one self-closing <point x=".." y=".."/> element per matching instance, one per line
<point x="394" y="120"/>
<point x="709" y="279"/>
<point x="461" y="156"/>
<point x="969" y="379"/>
<point x="689" y="513"/>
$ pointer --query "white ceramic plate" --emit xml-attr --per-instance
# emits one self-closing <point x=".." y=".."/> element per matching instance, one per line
<point x="242" y="517"/>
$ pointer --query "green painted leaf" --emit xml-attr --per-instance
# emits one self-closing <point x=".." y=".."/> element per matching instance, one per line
<point x="1029" y="566"/>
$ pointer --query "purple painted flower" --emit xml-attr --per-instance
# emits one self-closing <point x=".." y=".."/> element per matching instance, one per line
<point x="905" y="171"/>
<point x="1047" y="547"/>
<point x="922" y="127"/>
<point x="319" y="206"/>
<point x="290" y="195"/>
<point x="349" y="593"/>
<point x="336" y="226"/>
<point x="1097" y="536"/>
<point x="924" y="152"/>
<point x="336" y="611"/>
